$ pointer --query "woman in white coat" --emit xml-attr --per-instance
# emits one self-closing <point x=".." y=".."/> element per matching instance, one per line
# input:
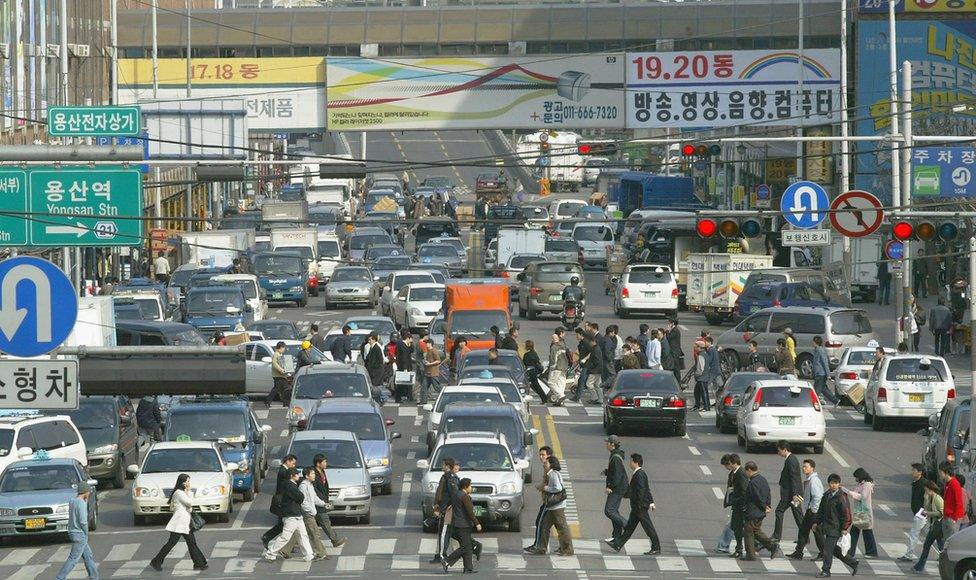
<point x="179" y="526"/>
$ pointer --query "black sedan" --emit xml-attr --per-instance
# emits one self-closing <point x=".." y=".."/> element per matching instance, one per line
<point x="729" y="397"/>
<point x="644" y="398"/>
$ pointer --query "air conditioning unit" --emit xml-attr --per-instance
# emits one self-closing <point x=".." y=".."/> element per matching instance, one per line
<point x="79" y="50"/>
<point x="53" y="50"/>
<point x="4" y="50"/>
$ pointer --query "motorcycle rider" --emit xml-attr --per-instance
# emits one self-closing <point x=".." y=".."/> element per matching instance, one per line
<point x="575" y="293"/>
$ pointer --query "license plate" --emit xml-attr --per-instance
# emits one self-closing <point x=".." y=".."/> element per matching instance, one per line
<point x="651" y="294"/>
<point x="555" y="297"/>
<point x="277" y="295"/>
<point x="916" y="398"/>
<point x="648" y="403"/>
<point x="789" y="421"/>
<point x="35" y="523"/>
<point x="479" y="511"/>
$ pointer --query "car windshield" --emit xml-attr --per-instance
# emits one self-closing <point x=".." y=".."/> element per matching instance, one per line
<point x="341" y="454"/>
<point x="304" y="252"/>
<point x="432" y="230"/>
<point x="509" y="360"/>
<point x="593" y="234"/>
<point x="437" y="251"/>
<point x="531" y="212"/>
<point x="646" y="276"/>
<point x="390" y="262"/>
<point x="225" y="426"/>
<point x="276" y="330"/>
<point x="6" y="441"/>
<point x="496" y="372"/>
<point x="329" y="249"/>
<point x="19" y="478"/>
<point x="375" y="252"/>
<point x="467" y="397"/>
<point x="405" y="279"/>
<point x="93" y="414"/>
<point x="427" y="294"/>
<point x="330" y="385"/>
<point x="648" y="382"/>
<point x="267" y="265"/>
<point x="568" y="209"/>
<point x="523" y="260"/>
<point x="738" y="382"/>
<point x="562" y="273"/>
<point x="366" y="426"/>
<point x="248" y="287"/>
<point x="557" y="245"/>
<point x="314" y="354"/>
<point x="362" y="241"/>
<point x="785" y="397"/>
<point x="507" y="426"/>
<point x="475" y="456"/>
<point x="477" y="322"/>
<point x="128" y="312"/>
<point x="383" y="326"/>
<point x="861" y="357"/>
<point x="850" y="322"/>
<point x="351" y="275"/>
<point x="181" y="277"/>
<point x="149" y="308"/>
<point x="323" y="216"/>
<point x="437" y="326"/>
<point x="912" y="369"/>
<point x="180" y="460"/>
<point x="436" y="181"/>
<point x="211" y="302"/>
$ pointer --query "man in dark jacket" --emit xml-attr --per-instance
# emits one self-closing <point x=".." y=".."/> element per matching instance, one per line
<point x="641" y="501"/>
<point x="617" y="485"/>
<point x="594" y="373"/>
<point x="290" y="506"/>
<point x="404" y="363"/>
<point x="940" y="320"/>
<point x="150" y="418"/>
<point x="756" y="507"/>
<point x="342" y="348"/>
<point x="447" y="489"/>
<point x="510" y="342"/>
<point x="287" y="464"/>
<point x="677" y="355"/>
<point x="918" y="524"/>
<point x="321" y="486"/>
<point x="582" y="349"/>
<point x="790" y="489"/>
<point x="463" y="522"/>
<point x="373" y="360"/>
<point x="739" y="482"/>
<point x="834" y="522"/>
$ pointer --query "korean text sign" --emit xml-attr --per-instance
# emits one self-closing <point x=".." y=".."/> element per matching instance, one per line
<point x="943" y="172"/>
<point x="39" y="384"/>
<point x="734" y="87"/>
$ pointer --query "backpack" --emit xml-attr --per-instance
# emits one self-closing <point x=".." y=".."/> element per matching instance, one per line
<point x="920" y="317"/>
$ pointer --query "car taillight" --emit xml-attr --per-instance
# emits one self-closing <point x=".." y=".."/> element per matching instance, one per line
<point x="814" y="399"/>
<point x="776" y="302"/>
<point x="674" y="293"/>
<point x="758" y="401"/>
<point x="833" y="344"/>
<point x="535" y="291"/>
<point x="950" y="455"/>
<point x="882" y="395"/>
<point x="625" y="293"/>
<point x="504" y="274"/>
<point x="951" y="394"/>
<point x="848" y="376"/>
<point x="727" y="401"/>
<point x="675" y="402"/>
<point x="618" y="402"/>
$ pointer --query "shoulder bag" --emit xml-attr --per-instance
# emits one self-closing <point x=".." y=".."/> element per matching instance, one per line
<point x="196" y="522"/>
<point x="860" y="516"/>
<point x="556" y="497"/>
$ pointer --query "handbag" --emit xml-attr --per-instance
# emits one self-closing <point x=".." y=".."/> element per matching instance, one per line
<point x="196" y="522"/>
<point x="861" y="517"/>
<point x="555" y="498"/>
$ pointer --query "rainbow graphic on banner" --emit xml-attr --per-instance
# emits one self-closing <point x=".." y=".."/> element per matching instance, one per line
<point x="793" y="58"/>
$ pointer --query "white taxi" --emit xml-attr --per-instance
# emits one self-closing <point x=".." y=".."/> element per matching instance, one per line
<point x="781" y="409"/>
<point x="907" y="387"/>
<point x="854" y="366"/>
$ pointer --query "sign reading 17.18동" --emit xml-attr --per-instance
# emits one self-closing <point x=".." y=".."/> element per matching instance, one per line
<point x="94" y="121"/>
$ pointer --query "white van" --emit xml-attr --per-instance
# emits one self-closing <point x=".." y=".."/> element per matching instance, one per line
<point x="253" y="294"/>
<point x="907" y="387"/>
<point x="23" y="433"/>
<point x="596" y="241"/>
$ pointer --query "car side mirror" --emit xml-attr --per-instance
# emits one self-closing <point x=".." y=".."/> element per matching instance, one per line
<point x="964" y="456"/>
<point x="266" y="428"/>
<point x="386" y="288"/>
<point x="527" y="438"/>
<point x="24" y="452"/>
<point x="423" y="464"/>
<point x="231" y="467"/>
<point x="522" y="464"/>
<point x="93" y="483"/>
<point x="132" y="470"/>
<point x="614" y="279"/>
<point x="520" y="277"/>
<point x="266" y="359"/>
<point x="395" y="435"/>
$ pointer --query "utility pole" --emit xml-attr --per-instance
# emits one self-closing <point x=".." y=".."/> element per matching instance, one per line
<point x="906" y="191"/>
<point x="189" y="94"/>
<point x="895" y="141"/>
<point x="63" y="73"/>
<point x="845" y="162"/>
<point x="800" y="169"/>
<point x="155" y="88"/>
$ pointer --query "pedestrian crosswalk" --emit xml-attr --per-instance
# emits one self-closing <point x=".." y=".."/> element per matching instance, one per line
<point x="404" y="555"/>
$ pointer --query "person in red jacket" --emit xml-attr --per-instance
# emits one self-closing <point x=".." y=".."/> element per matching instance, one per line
<point x="954" y="510"/>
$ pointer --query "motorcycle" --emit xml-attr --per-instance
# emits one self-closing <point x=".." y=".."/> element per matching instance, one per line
<point x="572" y="314"/>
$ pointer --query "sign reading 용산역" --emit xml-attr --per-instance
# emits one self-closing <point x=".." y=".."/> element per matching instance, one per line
<point x="571" y="91"/>
<point x="733" y="87"/>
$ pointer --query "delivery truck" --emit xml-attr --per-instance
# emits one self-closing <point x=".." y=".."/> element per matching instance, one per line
<point x="865" y="254"/>
<point x="95" y="325"/>
<point x="304" y="242"/>
<point x="640" y="190"/>
<point x="216" y="248"/>
<point x="563" y="164"/>
<point x="295" y="212"/>
<point x="519" y="240"/>
<point x="472" y="307"/>
<point x="714" y="282"/>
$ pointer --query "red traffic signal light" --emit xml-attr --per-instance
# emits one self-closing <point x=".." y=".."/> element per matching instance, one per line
<point x="607" y="148"/>
<point x="902" y="230"/>
<point x="706" y="228"/>
<point x="688" y="150"/>
<point x="701" y="150"/>
<point x="544" y="146"/>
<point x="584" y="148"/>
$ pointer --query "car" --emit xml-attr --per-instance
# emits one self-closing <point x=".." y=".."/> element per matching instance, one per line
<point x="330" y="255"/>
<point x="596" y="240"/>
<point x="253" y="294"/>
<point x="957" y="560"/>
<point x="350" y="285"/>
<point x="454" y="241"/>
<point x="907" y="388"/>
<point x="35" y="493"/>
<point x="728" y="397"/>
<point x="383" y="325"/>
<point x="201" y="460"/>
<point x="432" y="227"/>
<point x="257" y="363"/>
<point x="492" y="418"/>
<point x="107" y="424"/>
<point x="377" y="251"/>
<point x="436" y="331"/>
<point x="513" y="393"/>
<point x="357" y="338"/>
<point x="276" y="329"/>
<point x="326" y="381"/>
<point x="838" y="327"/>
<point x="148" y="303"/>
<point x="562" y="250"/>
<point x="364" y="418"/>
<point x="437" y="182"/>
<point x="766" y="294"/>
<point x="947" y="435"/>
<point x="644" y="398"/>
<point x="416" y="305"/>
<point x="456" y="394"/>
<point x="232" y="425"/>
<point x="535" y="215"/>
<point x="383" y="266"/>
<point x="563" y="229"/>
<point x="514" y="266"/>
<point x="179" y="279"/>
<point x="496" y="476"/>
<point x="649" y="288"/>
<point x="488" y="180"/>
<point x="212" y="309"/>
<point x="591" y="169"/>
<point x="780" y="410"/>
<point x="563" y="208"/>
<point x="383" y="200"/>
<point x="149" y="333"/>
<point x="24" y="432"/>
<point x="854" y="366"/>
<point x="474" y="372"/>
<point x="540" y="287"/>
<point x="397" y="280"/>
<point x="446" y="255"/>
<point x="591" y="212"/>
<point x="491" y="256"/>
<point x="507" y="358"/>
<point x="364" y="237"/>
<point x="349" y="482"/>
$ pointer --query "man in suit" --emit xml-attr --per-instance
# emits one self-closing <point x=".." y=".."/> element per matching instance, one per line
<point x="739" y="482"/>
<point x="287" y="464"/>
<point x="790" y="489"/>
<point x="756" y="507"/>
<point x="616" y="489"/>
<point x="641" y="501"/>
<point x="834" y="521"/>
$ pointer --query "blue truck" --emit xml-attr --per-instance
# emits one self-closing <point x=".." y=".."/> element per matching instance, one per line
<point x="283" y="276"/>
<point x="212" y="309"/>
<point x="639" y="190"/>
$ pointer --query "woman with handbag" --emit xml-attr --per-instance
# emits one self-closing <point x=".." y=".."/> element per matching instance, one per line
<point x="862" y="513"/>
<point x="555" y="500"/>
<point x="933" y="505"/>
<point x="182" y="524"/>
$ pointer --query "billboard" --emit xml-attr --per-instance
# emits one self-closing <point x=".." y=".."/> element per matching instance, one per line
<point x="943" y="74"/>
<point x="568" y="91"/>
<point x="732" y="88"/>
<point x="280" y="94"/>
<point x="918" y="6"/>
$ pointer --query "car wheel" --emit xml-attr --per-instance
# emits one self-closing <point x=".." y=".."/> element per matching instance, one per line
<point x="515" y="524"/>
<point x="303" y="303"/>
<point x="609" y="427"/>
<point x="740" y="439"/>
<point x="528" y="476"/>
<point x="533" y="315"/>
<point x="138" y="520"/>
<point x="681" y="429"/>
<point x="714" y="318"/>
<point x="818" y="449"/>
<point x="867" y="416"/>
<point x="387" y="489"/>
<point x="328" y="304"/>
<point x="225" y="517"/>
<point x="118" y="478"/>
<point x="751" y="447"/>
<point x="966" y="571"/>
<point x="366" y="518"/>
<point x="877" y="423"/>
<point x="248" y="495"/>
<point x="521" y="311"/>
<point x="728" y="362"/>
<point x="719" y="424"/>
<point x="804" y="366"/>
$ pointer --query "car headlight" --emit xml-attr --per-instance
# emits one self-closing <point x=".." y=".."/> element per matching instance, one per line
<point x="507" y="488"/>
<point x="212" y="490"/>
<point x="61" y="509"/>
<point x="416" y="312"/>
<point x="141" y="491"/>
<point x="378" y="462"/>
<point x="105" y="449"/>
<point x="297" y="412"/>
<point x="296" y="288"/>
<point x="243" y="466"/>
<point x="356" y="490"/>
<point x="430" y="487"/>
<point x="6" y="511"/>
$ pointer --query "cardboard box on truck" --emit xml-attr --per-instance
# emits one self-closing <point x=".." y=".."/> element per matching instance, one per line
<point x="716" y="280"/>
<point x="472" y="307"/>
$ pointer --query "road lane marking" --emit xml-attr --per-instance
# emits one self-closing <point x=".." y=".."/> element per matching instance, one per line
<point x="240" y="567"/>
<point x="671" y="564"/>
<point x="226" y="549"/>
<point x="415" y="439"/>
<point x="694" y="450"/>
<point x="406" y="562"/>
<point x="723" y="564"/>
<point x="884" y="507"/>
<point x="122" y="552"/>
<point x="833" y="453"/>
<point x="351" y="563"/>
<point x="690" y="547"/>
<point x="510" y="562"/>
<point x="383" y="546"/>
<point x="407" y="411"/>
<point x="559" y="411"/>
<point x="617" y="562"/>
<point x="779" y="565"/>
<point x="718" y="492"/>
<point x="19" y="557"/>
<point x="284" y="433"/>
<point x="411" y="455"/>
<point x="564" y="562"/>
<point x="705" y="469"/>
<point x="241" y="514"/>
<point x="401" y="515"/>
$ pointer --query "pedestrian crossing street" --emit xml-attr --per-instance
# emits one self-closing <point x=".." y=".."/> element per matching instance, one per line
<point x="236" y="558"/>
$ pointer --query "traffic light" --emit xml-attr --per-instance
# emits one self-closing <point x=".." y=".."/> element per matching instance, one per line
<point x="701" y="150"/>
<point x="729" y="228"/>
<point x="544" y="146"/>
<point x="924" y="230"/>
<point x="601" y="148"/>
<point x="706" y="228"/>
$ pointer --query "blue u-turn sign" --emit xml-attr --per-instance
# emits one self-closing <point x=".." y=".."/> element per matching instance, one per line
<point x="38" y="306"/>
<point x="805" y="204"/>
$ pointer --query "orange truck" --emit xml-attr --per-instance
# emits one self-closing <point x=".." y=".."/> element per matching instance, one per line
<point x="472" y="307"/>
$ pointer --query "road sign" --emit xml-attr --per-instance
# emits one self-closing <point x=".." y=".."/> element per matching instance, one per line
<point x="94" y="121"/>
<point x="804" y="204"/>
<point x="806" y="238"/>
<point x="894" y="250"/>
<point x="543" y="136"/>
<point x="141" y="141"/>
<point x="38" y="306"/>
<point x="13" y="205"/>
<point x="764" y="195"/>
<point x="39" y="384"/>
<point x="95" y="204"/>
<point x="856" y="214"/>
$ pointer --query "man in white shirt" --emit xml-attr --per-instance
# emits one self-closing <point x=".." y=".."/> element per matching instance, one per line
<point x="813" y="490"/>
<point x="161" y="266"/>
<point x="311" y="499"/>
<point x="654" y="351"/>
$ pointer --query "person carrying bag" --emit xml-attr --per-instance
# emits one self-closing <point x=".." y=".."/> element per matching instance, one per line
<point x="182" y="524"/>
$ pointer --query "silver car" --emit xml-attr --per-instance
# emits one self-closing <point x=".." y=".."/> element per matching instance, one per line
<point x="958" y="559"/>
<point x="350" y="285"/>
<point x="349" y="485"/>
<point x="326" y="381"/>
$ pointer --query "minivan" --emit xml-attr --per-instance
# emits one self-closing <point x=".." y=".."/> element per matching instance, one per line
<point x="149" y="333"/>
<point x="108" y="427"/>
<point x="761" y="295"/>
<point x="947" y="435"/>
<point x="819" y="279"/>
<point x="595" y="241"/>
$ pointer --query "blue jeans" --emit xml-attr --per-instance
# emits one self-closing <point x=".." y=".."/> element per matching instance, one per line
<point x="79" y="550"/>
<point x="581" y="382"/>
<point x="870" y="547"/>
<point x="933" y="537"/>
<point x="725" y="540"/>
<point x="611" y="509"/>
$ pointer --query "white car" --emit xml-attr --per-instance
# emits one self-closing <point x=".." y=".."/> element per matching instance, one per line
<point x="330" y="256"/>
<point x="591" y="169"/>
<point x="515" y="265"/>
<point x="456" y="394"/>
<point x="397" y="280"/>
<point x="907" y="387"/>
<point x="24" y="432"/>
<point x="147" y="301"/>
<point x="646" y="288"/>
<point x="211" y="479"/>
<point x="253" y="294"/>
<point x="781" y="409"/>
<point x="491" y="255"/>
<point x="853" y="367"/>
<point x="595" y="240"/>
<point x="257" y="363"/>
<point x="510" y="391"/>
<point x="416" y="305"/>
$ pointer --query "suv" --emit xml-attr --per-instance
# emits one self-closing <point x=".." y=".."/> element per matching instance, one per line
<point x="765" y="294"/>
<point x="595" y="240"/>
<point x="496" y="477"/>
<point x="540" y="287"/>
<point x="230" y="423"/>
<point x="907" y="387"/>
<point x="948" y="434"/>
<point x="24" y="432"/>
<point x="646" y="288"/>
<point x="495" y="418"/>
<point x="781" y="409"/>
<point x="839" y="327"/>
